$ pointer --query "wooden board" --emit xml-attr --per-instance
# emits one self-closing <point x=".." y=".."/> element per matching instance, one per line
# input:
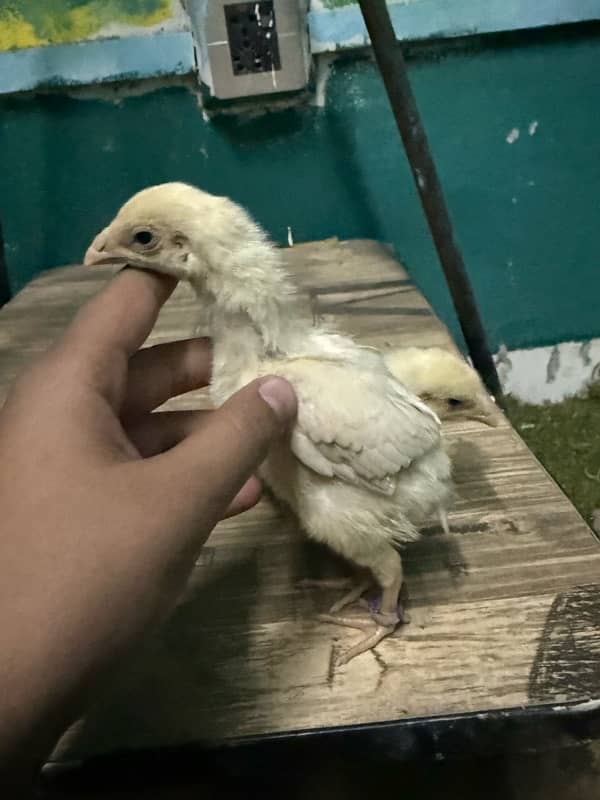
<point x="505" y="610"/>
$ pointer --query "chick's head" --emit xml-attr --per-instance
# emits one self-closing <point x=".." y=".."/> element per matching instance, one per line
<point x="175" y="229"/>
<point x="444" y="381"/>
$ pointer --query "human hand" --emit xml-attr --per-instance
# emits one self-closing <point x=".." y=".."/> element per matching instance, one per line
<point x="106" y="505"/>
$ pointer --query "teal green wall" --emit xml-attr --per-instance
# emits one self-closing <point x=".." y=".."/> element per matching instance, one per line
<point x="527" y="214"/>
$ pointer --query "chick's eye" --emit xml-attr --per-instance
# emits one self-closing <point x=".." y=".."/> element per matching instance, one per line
<point x="143" y="237"/>
<point x="454" y="402"/>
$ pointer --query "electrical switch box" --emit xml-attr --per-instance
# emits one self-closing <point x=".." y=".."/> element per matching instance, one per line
<point x="248" y="49"/>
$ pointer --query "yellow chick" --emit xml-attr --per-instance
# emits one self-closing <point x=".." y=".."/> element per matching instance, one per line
<point x="364" y="463"/>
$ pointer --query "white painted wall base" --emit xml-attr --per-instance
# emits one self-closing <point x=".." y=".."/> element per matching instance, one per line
<point x="549" y="374"/>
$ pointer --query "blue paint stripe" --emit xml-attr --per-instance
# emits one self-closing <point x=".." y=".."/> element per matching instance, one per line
<point x="422" y="19"/>
<point x="96" y="61"/>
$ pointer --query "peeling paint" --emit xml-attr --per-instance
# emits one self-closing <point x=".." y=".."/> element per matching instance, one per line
<point x="533" y="126"/>
<point x="117" y="93"/>
<point x="584" y="352"/>
<point x="553" y="365"/>
<point x="512" y="136"/>
<point x="357" y="96"/>
<point x="549" y="374"/>
<point x="503" y="365"/>
<point x="323" y="64"/>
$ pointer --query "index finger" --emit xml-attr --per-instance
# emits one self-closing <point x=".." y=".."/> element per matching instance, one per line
<point x="120" y="317"/>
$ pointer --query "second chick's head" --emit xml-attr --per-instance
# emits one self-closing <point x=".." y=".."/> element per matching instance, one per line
<point x="444" y="381"/>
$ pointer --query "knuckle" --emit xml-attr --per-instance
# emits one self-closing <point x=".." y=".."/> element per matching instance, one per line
<point x="183" y="363"/>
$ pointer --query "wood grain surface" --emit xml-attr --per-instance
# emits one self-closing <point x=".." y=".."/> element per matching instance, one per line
<point x="505" y="610"/>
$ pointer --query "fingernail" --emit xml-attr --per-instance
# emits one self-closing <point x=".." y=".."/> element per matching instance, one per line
<point x="278" y="394"/>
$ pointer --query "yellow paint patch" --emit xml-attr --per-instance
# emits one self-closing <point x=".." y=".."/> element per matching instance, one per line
<point x="72" y="24"/>
<point x="16" y="32"/>
<point x="87" y="20"/>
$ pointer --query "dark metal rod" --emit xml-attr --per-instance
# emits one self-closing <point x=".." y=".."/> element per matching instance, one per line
<point x="392" y="66"/>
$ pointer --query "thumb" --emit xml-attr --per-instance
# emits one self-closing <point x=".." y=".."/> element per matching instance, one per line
<point x="211" y="465"/>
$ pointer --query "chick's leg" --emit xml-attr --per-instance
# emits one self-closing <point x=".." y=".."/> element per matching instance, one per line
<point x="355" y="586"/>
<point x="390" y="575"/>
<point x="355" y="593"/>
<point x="388" y="613"/>
<point x="352" y="596"/>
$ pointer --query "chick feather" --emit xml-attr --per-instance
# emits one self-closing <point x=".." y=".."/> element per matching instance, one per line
<point x="364" y="465"/>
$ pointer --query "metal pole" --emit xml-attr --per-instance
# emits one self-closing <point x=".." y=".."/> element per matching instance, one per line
<point x="392" y="66"/>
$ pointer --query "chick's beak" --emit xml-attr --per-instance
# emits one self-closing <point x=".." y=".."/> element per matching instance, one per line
<point x="98" y="253"/>
<point x="487" y="419"/>
<point x="486" y="413"/>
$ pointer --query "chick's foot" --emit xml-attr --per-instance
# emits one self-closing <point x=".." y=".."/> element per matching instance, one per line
<point x="385" y="614"/>
<point x="368" y="643"/>
<point x="375" y="632"/>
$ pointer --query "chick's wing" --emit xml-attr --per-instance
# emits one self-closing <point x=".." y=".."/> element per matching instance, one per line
<point x="360" y="426"/>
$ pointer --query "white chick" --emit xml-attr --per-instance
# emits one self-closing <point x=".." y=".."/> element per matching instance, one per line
<point x="364" y="463"/>
<point x="443" y="380"/>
